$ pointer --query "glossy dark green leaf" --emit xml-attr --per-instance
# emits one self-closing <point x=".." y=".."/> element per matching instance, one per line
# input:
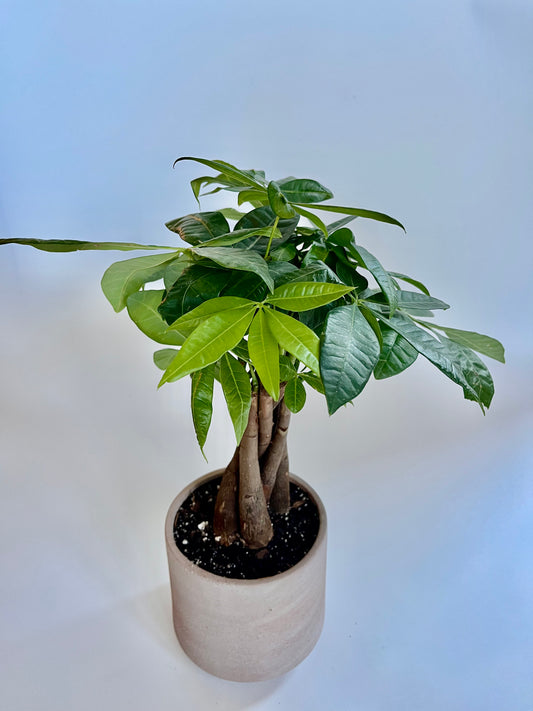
<point x="348" y="274"/>
<point x="415" y="301"/>
<point x="142" y="309"/>
<point x="284" y="253"/>
<point x="264" y="217"/>
<point x="340" y="223"/>
<point x="208" y="342"/>
<point x="237" y="176"/>
<point x="236" y="258"/>
<point x="304" y="190"/>
<point x="264" y="352"/>
<point x="343" y="237"/>
<point x="176" y="268"/>
<point x="356" y="212"/>
<point x="237" y="391"/>
<point x="294" y="337"/>
<point x="349" y="351"/>
<point x="278" y="202"/>
<point x="396" y="354"/>
<point x="459" y="364"/>
<point x="202" y="382"/>
<point x="126" y="277"/>
<point x="381" y="275"/>
<point x="410" y="280"/>
<point x="199" y="227"/>
<point x="303" y="296"/>
<point x="73" y="245"/>
<point x="476" y="341"/>
<point x="295" y="395"/>
<point x="164" y="357"/>
<point x="196" y="284"/>
<point x="240" y="235"/>
<point x="317" y="253"/>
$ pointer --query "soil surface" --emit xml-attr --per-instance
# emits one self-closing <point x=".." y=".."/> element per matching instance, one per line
<point x="294" y="535"/>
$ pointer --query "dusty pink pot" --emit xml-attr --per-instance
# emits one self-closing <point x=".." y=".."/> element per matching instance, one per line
<point x="247" y="630"/>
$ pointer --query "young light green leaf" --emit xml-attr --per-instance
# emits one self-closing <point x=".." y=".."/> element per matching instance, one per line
<point x="142" y="309"/>
<point x="349" y="351"/>
<point x="287" y="370"/>
<point x="264" y="353"/>
<point x="126" y="277"/>
<point x="176" y="268"/>
<point x="208" y="342"/>
<point x="295" y="395"/>
<point x="303" y="296"/>
<point x="236" y="258"/>
<point x="237" y="391"/>
<point x="476" y="341"/>
<point x="356" y="212"/>
<point x="231" y="214"/>
<point x="396" y="354"/>
<point x="74" y="245"/>
<point x="199" y="227"/>
<point x="192" y="319"/>
<point x="381" y="275"/>
<point x="253" y="197"/>
<point x="412" y="281"/>
<point x="164" y="357"/>
<point x="294" y="337"/>
<point x="304" y="190"/>
<point x="202" y="382"/>
<point x="278" y="202"/>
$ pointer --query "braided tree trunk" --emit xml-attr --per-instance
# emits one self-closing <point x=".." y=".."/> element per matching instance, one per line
<point x="257" y="478"/>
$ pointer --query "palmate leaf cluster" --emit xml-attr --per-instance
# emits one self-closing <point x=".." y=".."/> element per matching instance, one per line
<point x="257" y="296"/>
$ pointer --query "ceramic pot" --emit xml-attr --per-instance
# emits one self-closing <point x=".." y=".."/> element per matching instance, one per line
<point x="247" y="630"/>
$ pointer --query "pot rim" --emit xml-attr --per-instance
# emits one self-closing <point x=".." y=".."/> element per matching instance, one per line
<point x="184" y="562"/>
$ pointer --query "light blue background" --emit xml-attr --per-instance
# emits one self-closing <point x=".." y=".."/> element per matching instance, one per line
<point x="419" y="109"/>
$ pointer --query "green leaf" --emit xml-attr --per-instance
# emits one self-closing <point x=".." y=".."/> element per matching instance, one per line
<point x="303" y="296"/>
<point x="476" y="341"/>
<point x="314" y="381"/>
<point x="211" y="339"/>
<point x="287" y="371"/>
<point x="142" y="309"/>
<point x="164" y="356"/>
<point x="342" y="237"/>
<point x="349" y="275"/>
<point x="252" y="196"/>
<point x="284" y="253"/>
<point x="241" y="235"/>
<point x="237" y="391"/>
<point x="412" y="281"/>
<point x="237" y="176"/>
<point x="236" y="258"/>
<point x="295" y="337"/>
<point x="304" y="190"/>
<point x="457" y="363"/>
<point x="381" y="275"/>
<point x="356" y="212"/>
<point x="414" y="301"/>
<point x="126" y="277"/>
<point x="199" y="227"/>
<point x="264" y="353"/>
<point x="294" y="395"/>
<point x="340" y="223"/>
<point x="198" y="283"/>
<point x="278" y="202"/>
<point x="202" y="382"/>
<point x="396" y="354"/>
<point x="231" y="214"/>
<point x="264" y="217"/>
<point x="349" y="351"/>
<point x="192" y="319"/>
<point x="73" y="245"/>
<point x="312" y="218"/>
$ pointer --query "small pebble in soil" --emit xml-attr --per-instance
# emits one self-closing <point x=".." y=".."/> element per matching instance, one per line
<point x="294" y="535"/>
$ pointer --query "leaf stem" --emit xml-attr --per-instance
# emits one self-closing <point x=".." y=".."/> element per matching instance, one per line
<point x="271" y="236"/>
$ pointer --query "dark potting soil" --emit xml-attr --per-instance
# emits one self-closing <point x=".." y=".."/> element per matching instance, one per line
<point x="294" y="535"/>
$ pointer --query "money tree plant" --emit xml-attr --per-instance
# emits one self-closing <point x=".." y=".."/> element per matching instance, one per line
<point x="268" y="305"/>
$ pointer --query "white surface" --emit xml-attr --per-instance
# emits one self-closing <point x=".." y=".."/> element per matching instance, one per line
<point x="422" y="110"/>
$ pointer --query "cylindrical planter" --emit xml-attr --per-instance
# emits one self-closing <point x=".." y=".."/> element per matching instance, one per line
<point x="247" y="630"/>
